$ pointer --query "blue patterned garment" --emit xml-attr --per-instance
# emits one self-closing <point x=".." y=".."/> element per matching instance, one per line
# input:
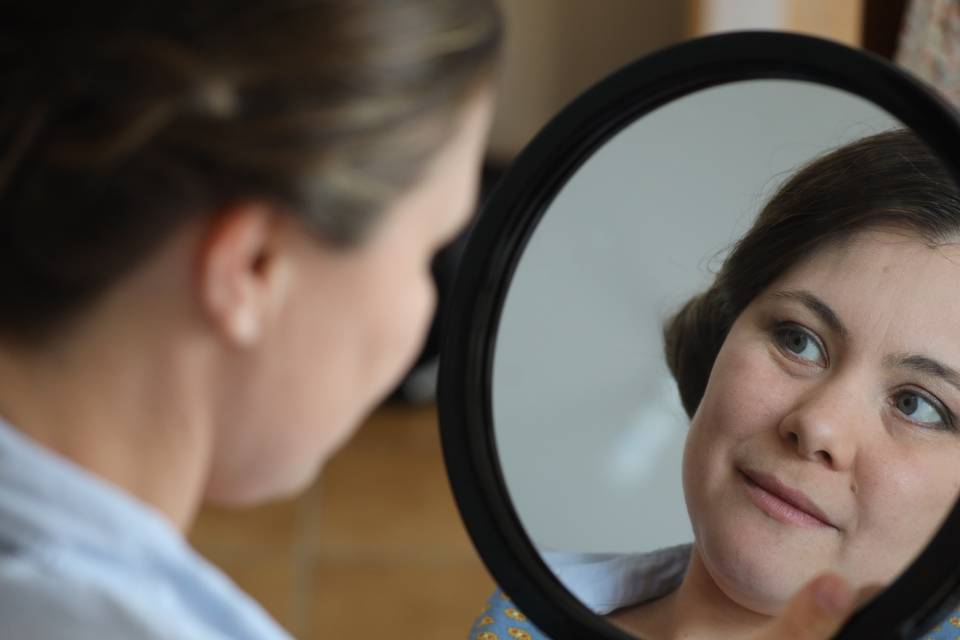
<point x="949" y="629"/>
<point x="501" y="620"/>
<point x="607" y="582"/>
<point x="603" y="582"/>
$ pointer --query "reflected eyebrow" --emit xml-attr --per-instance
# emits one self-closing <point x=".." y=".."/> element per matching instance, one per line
<point x="917" y="363"/>
<point x="923" y="364"/>
<point x="817" y="306"/>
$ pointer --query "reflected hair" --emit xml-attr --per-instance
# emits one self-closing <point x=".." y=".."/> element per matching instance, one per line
<point x="120" y="121"/>
<point x="887" y="180"/>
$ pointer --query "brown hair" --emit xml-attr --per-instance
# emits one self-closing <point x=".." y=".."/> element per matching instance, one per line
<point x="887" y="180"/>
<point x="119" y="121"/>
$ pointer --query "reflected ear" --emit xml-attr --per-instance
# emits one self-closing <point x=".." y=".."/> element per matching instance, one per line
<point x="240" y="274"/>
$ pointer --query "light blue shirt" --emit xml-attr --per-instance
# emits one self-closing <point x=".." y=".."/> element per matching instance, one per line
<point x="82" y="560"/>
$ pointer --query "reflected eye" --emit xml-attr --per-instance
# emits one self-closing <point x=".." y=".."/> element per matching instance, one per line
<point x="800" y="344"/>
<point x="919" y="409"/>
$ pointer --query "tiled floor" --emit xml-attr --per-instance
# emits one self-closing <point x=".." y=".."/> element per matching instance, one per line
<point x="375" y="549"/>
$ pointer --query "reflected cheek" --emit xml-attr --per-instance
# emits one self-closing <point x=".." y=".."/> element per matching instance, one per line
<point x="747" y="393"/>
<point x="896" y="514"/>
<point x="744" y="400"/>
<point x="902" y="501"/>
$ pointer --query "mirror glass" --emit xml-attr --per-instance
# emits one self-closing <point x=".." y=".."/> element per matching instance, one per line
<point x="802" y="419"/>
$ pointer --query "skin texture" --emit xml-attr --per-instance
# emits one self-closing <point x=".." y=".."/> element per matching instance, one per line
<point x="829" y="414"/>
<point x="239" y="356"/>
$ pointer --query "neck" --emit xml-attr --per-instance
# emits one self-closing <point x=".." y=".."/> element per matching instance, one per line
<point x="697" y="610"/>
<point x="137" y="421"/>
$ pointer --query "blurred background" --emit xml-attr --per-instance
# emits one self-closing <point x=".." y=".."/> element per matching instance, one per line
<point x="376" y="547"/>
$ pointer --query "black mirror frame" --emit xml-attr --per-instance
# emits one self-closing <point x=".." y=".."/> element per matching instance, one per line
<point x="930" y="587"/>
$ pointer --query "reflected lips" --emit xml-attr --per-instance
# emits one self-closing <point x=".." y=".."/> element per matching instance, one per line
<point x="783" y="503"/>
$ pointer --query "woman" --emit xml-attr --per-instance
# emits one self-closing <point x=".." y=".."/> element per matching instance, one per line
<point x="217" y="224"/>
<point x="216" y="221"/>
<point x="820" y="374"/>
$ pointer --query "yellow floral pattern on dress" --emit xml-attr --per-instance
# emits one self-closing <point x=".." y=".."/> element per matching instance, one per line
<point x="501" y="620"/>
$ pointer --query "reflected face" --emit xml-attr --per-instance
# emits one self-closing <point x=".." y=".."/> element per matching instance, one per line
<point x="829" y="433"/>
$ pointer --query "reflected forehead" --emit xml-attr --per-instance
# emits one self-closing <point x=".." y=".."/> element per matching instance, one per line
<point x="879" y="252"/>
<point x="884" y="281"/>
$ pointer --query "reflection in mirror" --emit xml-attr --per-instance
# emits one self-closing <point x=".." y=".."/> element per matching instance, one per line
<point x="814" y="427"/>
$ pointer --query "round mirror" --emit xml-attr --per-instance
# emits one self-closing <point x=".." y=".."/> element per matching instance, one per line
<point x="704" y="346"/>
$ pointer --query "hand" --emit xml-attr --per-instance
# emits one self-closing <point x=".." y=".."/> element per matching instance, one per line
<point x="817" y="611"/>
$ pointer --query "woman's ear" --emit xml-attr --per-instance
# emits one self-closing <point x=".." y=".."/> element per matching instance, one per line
<point x="242" y="274"/>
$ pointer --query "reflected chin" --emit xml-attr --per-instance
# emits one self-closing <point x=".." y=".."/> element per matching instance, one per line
<point x="755" y="581"/>
<point x="755" y="560"/>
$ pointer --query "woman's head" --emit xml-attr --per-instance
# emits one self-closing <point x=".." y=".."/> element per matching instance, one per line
<point x="258" y="184"/>
<point x="830" y="341"/>
<point x="119" y="122"/>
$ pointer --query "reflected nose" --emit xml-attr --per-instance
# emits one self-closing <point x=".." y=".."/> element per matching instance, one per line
<point x="824" y="426"/>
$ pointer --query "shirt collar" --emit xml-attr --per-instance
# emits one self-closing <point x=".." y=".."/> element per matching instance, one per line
<point x="605" y="582"/>
<point x="45" y="497"/>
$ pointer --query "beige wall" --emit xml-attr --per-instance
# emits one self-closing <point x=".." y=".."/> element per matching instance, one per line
<point x="835" y="19"/>
<point x="556" y="49"/>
